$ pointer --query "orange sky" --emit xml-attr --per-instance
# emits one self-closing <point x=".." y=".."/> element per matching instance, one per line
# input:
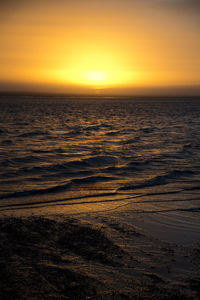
<point x="85" y="45"/>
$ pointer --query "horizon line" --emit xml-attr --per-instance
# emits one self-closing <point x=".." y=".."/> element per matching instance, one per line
<point x="94" y="95"/>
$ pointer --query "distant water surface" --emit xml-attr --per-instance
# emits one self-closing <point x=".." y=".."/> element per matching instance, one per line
<point x="57" y="150"/>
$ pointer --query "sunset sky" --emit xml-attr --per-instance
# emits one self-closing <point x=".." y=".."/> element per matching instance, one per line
<point x="116" y="46"/>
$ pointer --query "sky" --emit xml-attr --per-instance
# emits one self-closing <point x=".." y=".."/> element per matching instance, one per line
<point x="100" y="46"/>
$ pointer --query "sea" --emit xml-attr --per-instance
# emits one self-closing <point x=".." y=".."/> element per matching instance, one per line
<point x="63" y="150"/>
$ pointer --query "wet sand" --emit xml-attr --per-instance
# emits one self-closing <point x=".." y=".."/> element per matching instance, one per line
<point x="93" y="255"/>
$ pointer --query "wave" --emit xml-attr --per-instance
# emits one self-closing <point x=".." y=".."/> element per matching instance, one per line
<point x="97" y="161"/>
<point x="58" y="188"/>
<point x="69" y="166"/>
<point x="27" y="159"/>
<point x="34" y="133"/>
<point x="159" y="180"/>
<point x="7" y="142"/>
<point x="54" y="189"/>
<point x="112" y="133"/>
<point x="93" y="179"/>
<point x="3" y="131"/>
<point x="138" y="164"/>
<point x="131" y="141"/>
<point x="192" y="188"/>
<point x="93" y="128"/>
<point x="64" y="201"/>
<point x="147" y="129"/>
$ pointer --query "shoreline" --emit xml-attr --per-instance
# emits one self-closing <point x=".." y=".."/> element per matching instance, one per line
<point x="92" y="256"/>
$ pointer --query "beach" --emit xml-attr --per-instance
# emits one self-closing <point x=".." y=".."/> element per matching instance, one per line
<point x="93" y="255"/>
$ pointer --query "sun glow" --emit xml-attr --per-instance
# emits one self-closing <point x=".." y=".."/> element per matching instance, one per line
<point x="96" y="76"/>
<point x="94" y="70"/>
<point x="95" y="66"/>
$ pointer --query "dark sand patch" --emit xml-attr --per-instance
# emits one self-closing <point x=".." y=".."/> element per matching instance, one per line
<point x="65" y="258"/>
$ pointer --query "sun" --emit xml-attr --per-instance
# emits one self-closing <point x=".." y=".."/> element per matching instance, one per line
<point x="96" y="77"/>
<point x="94" y="68"/>
<point x="110" y="76"/>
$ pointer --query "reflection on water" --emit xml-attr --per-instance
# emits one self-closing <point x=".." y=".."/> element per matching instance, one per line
<point x="69" y="151"/>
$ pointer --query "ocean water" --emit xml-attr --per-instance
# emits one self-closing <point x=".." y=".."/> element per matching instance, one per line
<point x="67" y="150"/>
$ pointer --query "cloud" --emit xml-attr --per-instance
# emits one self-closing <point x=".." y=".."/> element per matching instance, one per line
<point x="192" y="5"/>
<point x="173" y="4"/>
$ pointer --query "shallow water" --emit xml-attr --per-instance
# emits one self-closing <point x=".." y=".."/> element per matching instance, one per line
<point x="59" y="150"/>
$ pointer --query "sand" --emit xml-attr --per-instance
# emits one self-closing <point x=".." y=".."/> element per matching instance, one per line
<point x="93" y="255"/>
